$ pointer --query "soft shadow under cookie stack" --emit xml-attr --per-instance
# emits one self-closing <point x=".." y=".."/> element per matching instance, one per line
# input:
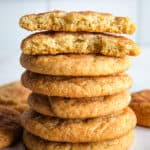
<point x="80" y="98"/>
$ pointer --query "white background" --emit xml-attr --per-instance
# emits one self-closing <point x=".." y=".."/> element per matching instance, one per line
<point x="11" y="35"/>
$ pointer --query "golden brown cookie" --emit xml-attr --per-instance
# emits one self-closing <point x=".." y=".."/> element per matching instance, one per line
<point x="35" y="143"/>
<point x="75" y="65"/>
<point x="79" y="107"/>
<point x="79" y="130"/>
<point x="89" y="21"/>
<point x="14" y="95"/>
<point x="10" y="128"/>
<point x="75" y="86"/>
<point x="141" y="105"/>
<point x="79" y="43"/>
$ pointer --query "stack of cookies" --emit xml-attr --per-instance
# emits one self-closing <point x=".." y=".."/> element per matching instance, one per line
<point x="79" y="98"/>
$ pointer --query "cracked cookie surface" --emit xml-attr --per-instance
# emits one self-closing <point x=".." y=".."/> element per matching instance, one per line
<point x="79" y="130"/>
<point x="76" y="87"/>
<point x="79" y="107"/>
<point x="35" y="143"/>
<point x="79" y="43"/>
<point x="75" y="65"/>
<point x="89" y="21"/>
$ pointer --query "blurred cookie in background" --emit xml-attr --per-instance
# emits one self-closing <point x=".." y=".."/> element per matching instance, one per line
<point x="14" y="95"/>
<point x="141" y="105"/>
<point x="10" y="127"/>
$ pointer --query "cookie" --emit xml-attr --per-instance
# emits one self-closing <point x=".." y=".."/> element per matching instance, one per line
<point x="35" y="143"/>
<point x="75" y="86"/>
<point x="75" y="65"/>
<point x="89" y="21"/>
<point x="10" y="128"/>
<point x="79" y="43"/>
<point x="79" y="130"/>
<point x="79" y="107"/>
<point x="14" y="95"/>
<point x="141" y="105"/>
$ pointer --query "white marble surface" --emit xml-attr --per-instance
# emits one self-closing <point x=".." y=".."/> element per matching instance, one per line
<point x="142" y="139"/>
